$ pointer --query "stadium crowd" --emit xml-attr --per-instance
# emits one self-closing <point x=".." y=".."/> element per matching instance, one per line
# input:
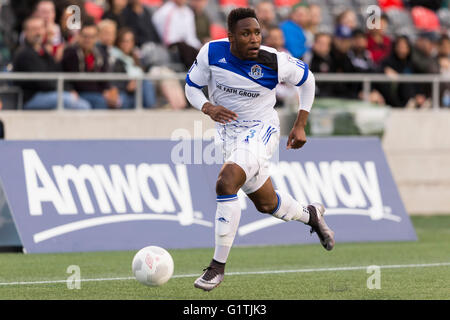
<point x="161" y="38"/>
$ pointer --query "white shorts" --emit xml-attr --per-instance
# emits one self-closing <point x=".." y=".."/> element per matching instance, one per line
<point x="251" y="145"/>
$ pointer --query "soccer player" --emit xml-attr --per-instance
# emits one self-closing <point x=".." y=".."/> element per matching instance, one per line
<point x="241" y="76"/>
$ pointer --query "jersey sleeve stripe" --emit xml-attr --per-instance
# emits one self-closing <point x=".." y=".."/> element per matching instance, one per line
<point x="305" y="76"/>
<point x="192" y="84"/>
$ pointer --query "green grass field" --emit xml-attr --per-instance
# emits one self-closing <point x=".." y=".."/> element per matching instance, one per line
<point x="273" y="272"/>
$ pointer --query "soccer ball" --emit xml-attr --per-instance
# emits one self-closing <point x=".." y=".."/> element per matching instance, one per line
<point x="152" y="266"/>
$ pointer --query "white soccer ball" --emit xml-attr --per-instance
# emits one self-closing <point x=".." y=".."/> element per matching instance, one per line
<point x="152" y="266"/>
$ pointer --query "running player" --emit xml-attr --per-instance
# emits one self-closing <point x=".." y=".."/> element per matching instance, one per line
<point x="241" y="76"/>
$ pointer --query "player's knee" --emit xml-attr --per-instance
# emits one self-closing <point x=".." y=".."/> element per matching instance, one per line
<point x="267" y="208"/>
<point x="230" y="180"/>
<point x="225" y="186"/>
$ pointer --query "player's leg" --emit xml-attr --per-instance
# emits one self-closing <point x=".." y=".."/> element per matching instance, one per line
<point x="228" y="214"/>
<point x="283" y="206"/>
<point x="230" y="180"/>
<point x="278" y="203"/>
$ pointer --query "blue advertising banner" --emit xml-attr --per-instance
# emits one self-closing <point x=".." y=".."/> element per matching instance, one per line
<point x="8" y="232"/>
<point x="126" y="194"/>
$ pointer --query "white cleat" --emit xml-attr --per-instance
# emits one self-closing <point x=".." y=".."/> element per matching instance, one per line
<point x="318" y="225"/>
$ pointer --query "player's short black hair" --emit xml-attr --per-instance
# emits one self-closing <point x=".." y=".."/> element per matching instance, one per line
<point x="239" y="14"/>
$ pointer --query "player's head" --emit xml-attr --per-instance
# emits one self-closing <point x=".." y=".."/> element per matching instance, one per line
<point x="244" y="33"/>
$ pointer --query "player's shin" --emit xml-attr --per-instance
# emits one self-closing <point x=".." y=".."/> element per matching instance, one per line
<point x="289" y="209"/>
<point x="228" y="215"/>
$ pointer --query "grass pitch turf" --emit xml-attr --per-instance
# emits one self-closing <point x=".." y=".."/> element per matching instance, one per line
<point x="270" y="272"/>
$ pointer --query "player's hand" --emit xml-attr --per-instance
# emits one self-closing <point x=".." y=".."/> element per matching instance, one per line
<point x="297" y="138"/>
<point x="219" y="113"/>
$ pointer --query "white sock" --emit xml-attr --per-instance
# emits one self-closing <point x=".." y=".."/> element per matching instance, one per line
<point x="228" y="214"/>
<point x="221" y="253"/>
<point x="289" y="209"/>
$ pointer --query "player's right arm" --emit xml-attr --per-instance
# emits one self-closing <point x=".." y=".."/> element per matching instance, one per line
<point x="198" y="77"/>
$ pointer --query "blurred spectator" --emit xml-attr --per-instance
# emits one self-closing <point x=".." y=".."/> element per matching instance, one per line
<point x="114" y="12"/>
<point x="202" y="22"/>
<point x="399" y="94"/>
<point x="378" y="43"/>
<point x="126" y="61"/>
<point x="139" y="18"/>
<point x="315" y="12"/>
<point x="175" y="23"/>
<point x="284" y="92"/>
<point x="85" y="56"/>
<point x="322" y="63"/>
<point x="33" y="57"/>
<point x="8" y="37"/>
<point x="340" y="49"/>
<point x="5" y="53"/>
<point x="275" y="39"/>
<point x="444" y="64"/>
<point x="265" y="11"/>
<point x="45" y="9"/>
<point x="2" y="130"/>
<point x="425" y="52"/>
<point x="362" y="62"/>
<point x="295" y="30"/>
<point x="360" y="57"/>
<point x="348" y="19"/>
<point x="424" y="59"/>
<point x="444" y="46"/>
<point x="170" y="87"/>
<point x="107" y="32"/>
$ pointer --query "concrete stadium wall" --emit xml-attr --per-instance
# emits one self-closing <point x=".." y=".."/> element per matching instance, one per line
<point x="416" y="143"/>
<point x="99" y="124"/>
<point x="417" y="146"/>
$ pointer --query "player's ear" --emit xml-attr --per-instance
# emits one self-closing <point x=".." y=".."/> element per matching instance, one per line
<point x="230" y="36"/>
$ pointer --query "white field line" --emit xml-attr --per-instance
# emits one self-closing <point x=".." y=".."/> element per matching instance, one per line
<point x="394" y="266"/>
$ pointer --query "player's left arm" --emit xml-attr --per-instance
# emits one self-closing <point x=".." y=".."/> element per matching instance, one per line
<point x="306" y="93"/>
<point x="296" y="72"/>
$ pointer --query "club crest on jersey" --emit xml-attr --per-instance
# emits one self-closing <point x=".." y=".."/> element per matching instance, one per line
<point x="256" y="72"/>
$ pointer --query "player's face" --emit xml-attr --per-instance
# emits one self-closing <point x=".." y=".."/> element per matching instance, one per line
<point x="246" y="39"/>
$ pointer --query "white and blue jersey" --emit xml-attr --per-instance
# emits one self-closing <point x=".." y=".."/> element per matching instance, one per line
<point x="246" y="87"/>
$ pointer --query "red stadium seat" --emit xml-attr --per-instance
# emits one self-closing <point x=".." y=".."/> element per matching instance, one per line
<point x="285" y="3"/>
<point x="217" y="31"/>
<point x="152" y="3"/>
<point x="390" y="4"/>
<point x="234" y="3"/>
<point x="94" y="10"/>
<point x="425" y="19"/>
